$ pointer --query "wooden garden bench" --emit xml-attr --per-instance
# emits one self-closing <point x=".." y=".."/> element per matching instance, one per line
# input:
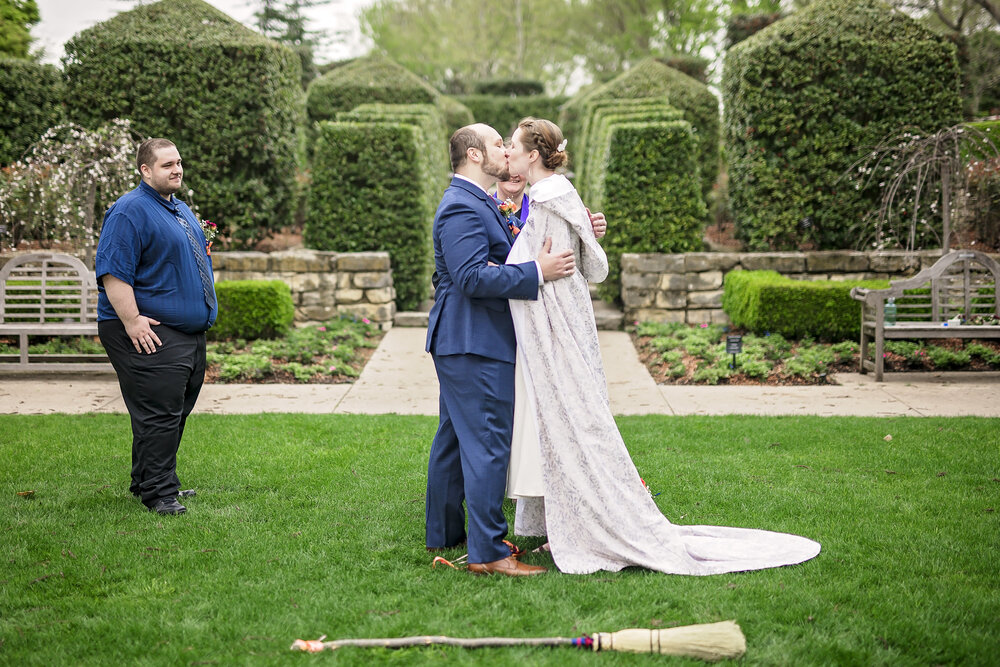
<point x="48" y="294"/>
<point x="963" y="283"/>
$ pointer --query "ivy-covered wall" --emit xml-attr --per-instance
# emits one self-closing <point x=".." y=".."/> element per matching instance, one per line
<point x="229" y="98"/>
<point x="806" y="97"/>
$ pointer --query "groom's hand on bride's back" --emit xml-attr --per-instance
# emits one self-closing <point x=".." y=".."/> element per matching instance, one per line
<point x="555" y="265"/>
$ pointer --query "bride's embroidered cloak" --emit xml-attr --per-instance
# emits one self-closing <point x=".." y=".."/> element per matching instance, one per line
<point x="570" y="471"/>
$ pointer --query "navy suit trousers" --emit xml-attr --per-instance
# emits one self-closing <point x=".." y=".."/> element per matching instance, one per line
<point x="470" y="455"/>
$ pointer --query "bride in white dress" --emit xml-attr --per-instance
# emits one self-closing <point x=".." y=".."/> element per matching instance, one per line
<point x="570" y="472"/>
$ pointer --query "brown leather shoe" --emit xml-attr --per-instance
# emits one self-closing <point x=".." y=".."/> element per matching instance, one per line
<point x="509" y="566"/>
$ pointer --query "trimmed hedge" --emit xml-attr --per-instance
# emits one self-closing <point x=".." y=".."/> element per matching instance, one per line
<point x="434" y="136"/>
<point x="30" y="103"/>
<point x="229" y="98"/>
<point x="373" y="188"/>
<point x="603" y="116"/>
<point x="766" y="301"/>
<point x="252" y="309"/>
<point x="649" y="194"/>
<point x="695" y="67"/>
<point x="510" y="88"/>
<point x="804" y="99"/>
<point x="376" y="78"/>
<point x="504" y="112"/>
<point x="651" y="78"/>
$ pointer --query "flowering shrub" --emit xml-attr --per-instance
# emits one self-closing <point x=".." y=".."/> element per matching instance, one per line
<point x="59" y="192"/>
<point x="926" y="180"/>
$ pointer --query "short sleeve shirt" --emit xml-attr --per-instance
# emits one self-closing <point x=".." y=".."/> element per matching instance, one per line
<point x="143" y="243"/>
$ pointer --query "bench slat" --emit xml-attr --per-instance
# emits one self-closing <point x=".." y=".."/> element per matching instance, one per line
<point x="48" y="294"/>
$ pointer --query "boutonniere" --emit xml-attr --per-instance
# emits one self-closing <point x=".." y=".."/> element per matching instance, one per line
<point x="210" y="230"/>
<point x="509" y="211"/>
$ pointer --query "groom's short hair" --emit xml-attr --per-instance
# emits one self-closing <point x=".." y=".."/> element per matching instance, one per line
<point x="462" y="140"/>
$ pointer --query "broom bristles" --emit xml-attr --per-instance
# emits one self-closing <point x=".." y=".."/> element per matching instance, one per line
<point x="707" y="641"/>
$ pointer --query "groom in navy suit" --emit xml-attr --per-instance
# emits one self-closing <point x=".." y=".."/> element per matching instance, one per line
<point x="470" y="336"/>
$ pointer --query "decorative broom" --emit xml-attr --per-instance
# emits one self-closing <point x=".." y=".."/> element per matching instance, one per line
<point x="708" y="641"/>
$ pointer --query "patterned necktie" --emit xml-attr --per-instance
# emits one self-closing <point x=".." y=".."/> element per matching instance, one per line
<point x="207" y="285"/>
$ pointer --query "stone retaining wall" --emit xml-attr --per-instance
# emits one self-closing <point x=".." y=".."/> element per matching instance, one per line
<point x="324" y="284"/>
<point x="688" y="287"/>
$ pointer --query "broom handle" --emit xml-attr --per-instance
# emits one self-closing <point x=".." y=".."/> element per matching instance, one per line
<point x="427" y="640"/>
<point x="708" y="641"/>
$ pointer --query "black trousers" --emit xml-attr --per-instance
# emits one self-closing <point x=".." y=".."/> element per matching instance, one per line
<point x="160" y="390"/>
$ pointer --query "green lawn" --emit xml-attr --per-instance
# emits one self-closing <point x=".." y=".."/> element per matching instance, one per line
<point x="312" y="525"/>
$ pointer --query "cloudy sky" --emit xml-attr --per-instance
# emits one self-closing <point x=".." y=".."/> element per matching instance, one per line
<point x="61" y="19"/>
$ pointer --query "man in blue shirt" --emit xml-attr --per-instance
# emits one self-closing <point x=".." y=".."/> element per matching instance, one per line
<point x="157" y="299"/>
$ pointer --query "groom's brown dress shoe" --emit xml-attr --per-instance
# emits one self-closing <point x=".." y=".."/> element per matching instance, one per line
<point x="509" y="566"/>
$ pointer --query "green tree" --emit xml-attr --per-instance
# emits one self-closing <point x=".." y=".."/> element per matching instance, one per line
<point x="974" y="27"/>
<point x="452" y="43"/>
<point x="284" y="21"/>
<point x="620" y="33"/>
<point x="546" y="40"/>
<point x="16" y="19"/>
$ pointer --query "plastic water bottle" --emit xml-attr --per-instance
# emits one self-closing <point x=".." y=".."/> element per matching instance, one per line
<point x="890" y="312"/>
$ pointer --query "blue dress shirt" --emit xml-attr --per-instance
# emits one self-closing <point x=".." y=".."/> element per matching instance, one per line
<point x="143" y="243"/>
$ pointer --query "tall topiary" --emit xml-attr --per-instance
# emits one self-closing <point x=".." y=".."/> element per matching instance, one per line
<point x="375" y="187"/>
<point x="376" y="78"/>
<point x="648" y="193"/>
<point x="806" y="97"/>
<point x="30" y="103"/>
<point x="229" y="98"/>
<point x="651" y="78"/>
<point x="602" y="115"/>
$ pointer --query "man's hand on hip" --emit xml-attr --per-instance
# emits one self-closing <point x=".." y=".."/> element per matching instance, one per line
<point x="555" y="265"/>
<point x="140" y="331"/>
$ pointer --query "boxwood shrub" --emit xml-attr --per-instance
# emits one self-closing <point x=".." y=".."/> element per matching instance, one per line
<point x="805" y="98"/>
<point x="648" y="194"/>
<point x="30" y="103"/>
<point x="434" y="137"/>
<point x="651" y="78"/>
<point x="376" y="78"/>
<point x="252" y="309"/>
<point x="504" y="112"/>
<point x="510" y="88"/>
<point x="375" y="187"/>
<point x="600" y="121"/>
<point x="229" y="98"/>
<point x="768" y="302"/>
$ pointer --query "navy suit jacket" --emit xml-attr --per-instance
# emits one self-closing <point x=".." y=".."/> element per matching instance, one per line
<point x="471" y="314"/>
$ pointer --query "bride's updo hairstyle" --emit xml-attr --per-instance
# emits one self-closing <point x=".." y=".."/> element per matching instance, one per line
<point x="545" y="137"/>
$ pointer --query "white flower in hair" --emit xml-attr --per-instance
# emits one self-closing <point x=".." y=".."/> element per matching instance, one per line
<point x="562" y="146"/>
